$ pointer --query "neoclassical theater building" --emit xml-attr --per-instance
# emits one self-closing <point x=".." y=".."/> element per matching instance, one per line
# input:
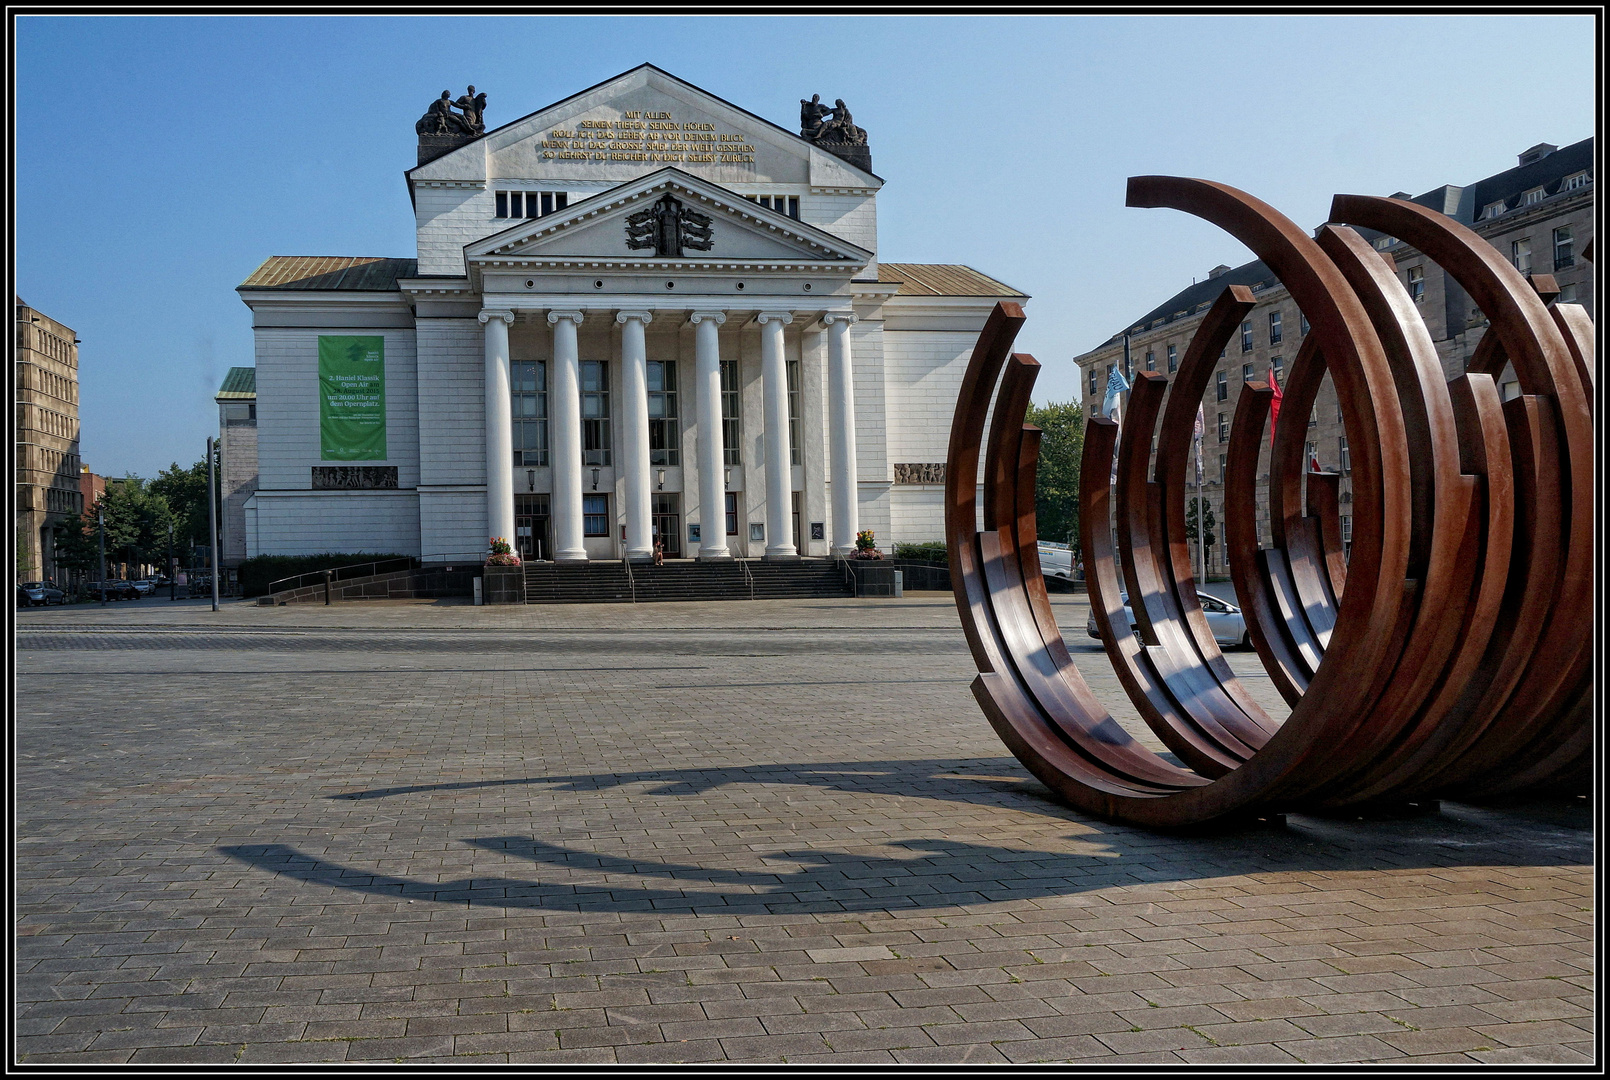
<point x="640" y="313"/>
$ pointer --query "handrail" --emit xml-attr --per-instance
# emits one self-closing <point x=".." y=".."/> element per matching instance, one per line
<point x="319" y="576"/>
<point x="631" y="582"/>
<point x="749" y="578"/>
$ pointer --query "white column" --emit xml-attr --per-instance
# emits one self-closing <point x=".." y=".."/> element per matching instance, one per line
<point x="634" y="431"/>
<point x="841" y="432"/>
<point x="779" y="473"/>
<point x="499" y="427"/>
<point x="712" y="462"/>
<point x="564" y="438"/>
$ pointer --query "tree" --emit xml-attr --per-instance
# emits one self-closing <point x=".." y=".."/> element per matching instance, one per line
<point x="1208" y="520"/>
<point x="1056" y="481"/>
<point x="77" y="545"/>
<point x="186" y="493"/>
<point x="136" y="521"/>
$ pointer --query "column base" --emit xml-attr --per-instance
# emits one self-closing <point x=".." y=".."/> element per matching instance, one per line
<point x="570" y="556"/>
<point x="639" y="554"/>
<point x="710" y="554"/>
<point x="789" y="554"/>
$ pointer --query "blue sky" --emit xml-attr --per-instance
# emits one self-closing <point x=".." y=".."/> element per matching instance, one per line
<point x="159" y="160"/>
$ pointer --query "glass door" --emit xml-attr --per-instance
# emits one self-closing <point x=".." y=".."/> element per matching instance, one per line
<point x="668" y="523"/>
<point x="531" y="526"/>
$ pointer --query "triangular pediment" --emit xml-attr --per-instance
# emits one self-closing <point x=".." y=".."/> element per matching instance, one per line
<point x="604" y="226"/>
<point x="635" y="123"/>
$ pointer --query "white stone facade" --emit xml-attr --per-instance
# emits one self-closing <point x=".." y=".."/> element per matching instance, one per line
<point x="777" y="308"/>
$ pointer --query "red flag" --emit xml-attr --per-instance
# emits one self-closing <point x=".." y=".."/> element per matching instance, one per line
<point x="1274" y="404"/>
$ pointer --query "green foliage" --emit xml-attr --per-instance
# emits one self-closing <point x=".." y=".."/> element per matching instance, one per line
<point x="186" y="492"/>
<point x="1056" y="481"/>
<point x="928" y="551"/>
<point x="77" y="547"/>
<point x="136" y="522"/>
<point x="1208" y="520"/>
<point x="260" y="571"/>
<point x="25" y="555"/>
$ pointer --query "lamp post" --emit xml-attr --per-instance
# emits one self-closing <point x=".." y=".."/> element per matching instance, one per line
<point x="100" y="519"/>
<point x="173" y="568"/>
<point x="212" y="523"/>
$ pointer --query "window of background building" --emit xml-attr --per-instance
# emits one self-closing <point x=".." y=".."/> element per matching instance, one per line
<point x="1511" y="390"/>
<point x="1342" y="454"/>
<point x="595" y="413"/>
<point x="663" y="445"/>
<point x="1173" y="358"/>
<point x="595" y="515"/>
<point x="1222" y="385"/>
<point x="1151" y="360"/>
<point x="1092" y="382"/>
<point x="1382" y="243"/>
<point x="792" y="368"/>
<point x="1417" y="283"/>
<point x="1347" y="534"/>
<point x="1563" y="255"/>
<point x="1574" y="181"/>
<point x="1224" y="427"/>
<point x="1224" y="466"/>
<point x="1274" y="328"/>
<point x="1246" y="336"/>
<point x="1520" y="253"/>
<point x="1280" y="368"/>
<point x="1246" y="373"/>
<point x="1302" y="324"/>
<point x="1492" y="210"/>
<point x="530" y="204"/>
<point x="528" y="400"/>
<point x="1568" y="293"/>
<point x="731" y="411"/>
<point x="783" y="204"/>
<point x="1313" y="453"/>
<point x="1533" y="196"/>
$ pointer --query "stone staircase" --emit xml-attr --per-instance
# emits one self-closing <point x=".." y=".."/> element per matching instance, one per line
<point x="727" y="579"/>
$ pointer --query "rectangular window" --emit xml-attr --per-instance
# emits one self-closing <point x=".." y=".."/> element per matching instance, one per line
<point x="1533" y="196"/>
<point x="1346" y="459"/>
<point x="783" y="204"/>
<point x="1222" y="385"/>
<point x="1302" y="324"/>
<point x="1417" y="283"/>
<point x="1313" y="455"/>
<point x="794" y="442"/>
<point x="1347" y="531"/>
<point x="1246" y="373"/>
<point x="1224" y="427"/>
<point x="503" y="204"/>
<point x="1563" y="254"/>
<point x="1568" y="293"/>
<point x="1574" y="181"/>
<point x="732" y="513"/>
<point x="595" y="412"/>
<point x="1224" y="466"/>
<point x="1151" y="360"/>
<point x="1280" y="368"/>
<point x="663" y="444"/>
<point x="1092" y="382"/>
<point x="528" y="400"/>
<point x="1274" y="328"/>
<point x="1520" y="253"/>
<point x="1246" y="336"/>
<point x="529" y="204"/>
<point x="1492" y="209"/>
<point x="731" y="413"/>
<point x="595" y="515"/>
<point x="1173" y="358"/>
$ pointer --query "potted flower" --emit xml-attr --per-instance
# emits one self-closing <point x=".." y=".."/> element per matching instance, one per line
<point x="502" y="553"/>
<point x="866" y="545"/>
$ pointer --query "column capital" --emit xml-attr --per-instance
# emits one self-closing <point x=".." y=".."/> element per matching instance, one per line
<point x="764" y="317"/>
<point x="489" y="314"/>
<point x="697" y="317"/>
<point x="574" y="316"/>
<point x="845" y="317"/>
<point x="644" y="317"/>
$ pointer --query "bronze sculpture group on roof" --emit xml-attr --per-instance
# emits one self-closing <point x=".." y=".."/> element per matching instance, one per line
<point x="440" y="119"/>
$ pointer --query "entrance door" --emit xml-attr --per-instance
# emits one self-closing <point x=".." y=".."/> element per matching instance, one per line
<point x="668" y="523"/>
<point x="799" y="537"/>
<point x="531" y="526"/>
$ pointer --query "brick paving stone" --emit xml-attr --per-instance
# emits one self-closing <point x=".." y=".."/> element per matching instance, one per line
<point x="445" y="833"/>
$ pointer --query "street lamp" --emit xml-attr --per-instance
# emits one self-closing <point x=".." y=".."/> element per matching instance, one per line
<point x="100" y="518"/>
<point x="173" y="568"/>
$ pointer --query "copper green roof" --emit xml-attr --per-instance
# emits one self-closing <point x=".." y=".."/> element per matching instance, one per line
<point x="239" y="385"/>
<point x="941" y="279"/>
<point x="323" y="272"/>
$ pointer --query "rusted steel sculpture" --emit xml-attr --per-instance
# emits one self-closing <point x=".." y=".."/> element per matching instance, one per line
<point x="1451" y="653"/>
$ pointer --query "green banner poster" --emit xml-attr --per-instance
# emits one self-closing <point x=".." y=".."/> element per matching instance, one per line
<point x="352" y="398"/>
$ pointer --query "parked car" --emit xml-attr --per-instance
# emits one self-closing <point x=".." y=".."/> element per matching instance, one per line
<point x="145" y="586"/>
<point x="1229" y="626"/>
<point x="114" y="590"/>
<point x="39" y="594"/>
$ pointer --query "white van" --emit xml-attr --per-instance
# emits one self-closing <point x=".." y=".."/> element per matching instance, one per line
<point x="1056" y="560"/>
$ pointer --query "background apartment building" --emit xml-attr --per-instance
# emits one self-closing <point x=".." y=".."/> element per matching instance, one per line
<point x="237" y="461"/>
<point x="1539" y="215"/>
<point x="48" y="471"/>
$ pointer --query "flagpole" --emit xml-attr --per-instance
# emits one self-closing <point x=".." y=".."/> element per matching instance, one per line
<point x="1201" y="513"/>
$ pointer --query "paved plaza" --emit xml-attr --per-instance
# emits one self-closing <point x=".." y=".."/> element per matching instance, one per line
<point x="752" y="832"/>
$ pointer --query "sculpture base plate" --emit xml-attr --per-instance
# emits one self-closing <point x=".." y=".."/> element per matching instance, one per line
<point x="857" y="154"/>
